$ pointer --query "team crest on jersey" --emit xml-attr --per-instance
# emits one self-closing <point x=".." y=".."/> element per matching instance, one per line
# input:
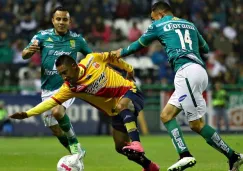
<point x="96" y="65"/>
<point x="72" y="43"/>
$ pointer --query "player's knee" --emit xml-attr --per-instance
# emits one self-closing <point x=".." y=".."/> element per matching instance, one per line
<point x="196" y="126"/>
<point x="165" y="117"/>
<point x="121" y="106"/>
<point x="57" y="114"/>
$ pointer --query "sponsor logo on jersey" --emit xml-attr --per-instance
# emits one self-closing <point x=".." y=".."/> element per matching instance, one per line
<point x="97" y="84"/>
<point x="182" y="98"/>
<point x="96" y="65"/>
<point x="171" y="26"/>
<point x="72" y="43"/>
<point x="59" y="53"/>
<point x="50" y="72"/>
<point x="49" y="46"/>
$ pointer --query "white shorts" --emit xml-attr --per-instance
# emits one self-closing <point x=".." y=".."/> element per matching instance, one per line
<point x="190" y="82"/>
<point x="48" y="119"/>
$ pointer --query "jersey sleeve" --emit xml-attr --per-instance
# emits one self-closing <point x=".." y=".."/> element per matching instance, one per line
<point x="85" y="50"/>
<point x="149" y="36"/>
<point x="120" y="63"/>
<point x="203" y="46"/>
<point x="61" y="96"/>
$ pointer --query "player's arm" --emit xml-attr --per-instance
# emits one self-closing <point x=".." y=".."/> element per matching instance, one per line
<point x="57" y="99"/>
<point x="32" y="48"/>
<point x="85" y="50"/>
<point x="203" y="46"/>
<point x="148" y="37"/>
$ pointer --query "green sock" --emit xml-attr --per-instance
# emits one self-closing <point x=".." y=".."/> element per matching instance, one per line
<point x="64" y="141"/>
<point x="66" y="126"/>
<point x="214" y="140"/>
<point x="176" y="134"/>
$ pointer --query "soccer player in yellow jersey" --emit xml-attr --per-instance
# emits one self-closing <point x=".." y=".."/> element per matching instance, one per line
<point x="94" y="81"/>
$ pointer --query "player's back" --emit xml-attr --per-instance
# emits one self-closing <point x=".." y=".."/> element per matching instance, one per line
<point x="101" y="86"/>
<point x="101" y="80"/>
<point x="180" y="39"/>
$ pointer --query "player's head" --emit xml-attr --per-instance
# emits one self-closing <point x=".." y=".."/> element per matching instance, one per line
<point x="67" y="68"/>
<point x="159" y="10"/>
<point x="61" y="20"/>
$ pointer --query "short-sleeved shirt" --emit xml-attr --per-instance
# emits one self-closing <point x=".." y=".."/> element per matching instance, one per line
<point x="180" y="38"/>
<point x="52" y="46"/>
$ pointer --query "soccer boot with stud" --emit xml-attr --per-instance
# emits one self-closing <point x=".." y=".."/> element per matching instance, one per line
<point x="133" y="149"/>
<point x="77" y="150"/>
<point x="235" y="162"/>
<point x="183" y="164"/>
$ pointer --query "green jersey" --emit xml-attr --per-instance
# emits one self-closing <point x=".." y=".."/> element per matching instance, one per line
<point x="181" y="39"/>
<point x="51" y="47"/>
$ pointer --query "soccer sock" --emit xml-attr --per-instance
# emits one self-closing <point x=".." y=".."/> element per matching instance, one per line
<point x="64" y="141"/>
<point x="214" y="140"/>
<point x="141" y="160"/>
<point x="130" y="124"/>
<point x="66" y="126"/>
<point x="177" y="138"/>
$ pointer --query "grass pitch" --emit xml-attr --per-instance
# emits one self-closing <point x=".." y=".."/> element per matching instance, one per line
<point x="42" y="154"/>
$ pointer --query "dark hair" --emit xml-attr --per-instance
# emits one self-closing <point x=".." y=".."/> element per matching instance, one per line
<point x="65" y="59"/>
<point x="160" y="5"/>
<point x="59" y="8"/>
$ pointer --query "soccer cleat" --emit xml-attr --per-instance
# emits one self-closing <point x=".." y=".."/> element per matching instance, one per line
<point x="134" y="146"/>
<point x="182" y="164"/>
<point x="76" y="149"/>
<point x="235" y="163"/>
<point x="152" y="167"/>
<point x="133" y="150"/>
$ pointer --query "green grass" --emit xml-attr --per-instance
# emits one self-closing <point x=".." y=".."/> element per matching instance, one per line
<point x="42" y="154"/>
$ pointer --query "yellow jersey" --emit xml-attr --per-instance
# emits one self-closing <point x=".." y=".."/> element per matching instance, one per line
<point x="99" y="85"/>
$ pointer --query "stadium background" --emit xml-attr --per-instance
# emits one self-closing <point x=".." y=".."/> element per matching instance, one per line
<point x="108" y="25"/>
<point x="111" y="24"/>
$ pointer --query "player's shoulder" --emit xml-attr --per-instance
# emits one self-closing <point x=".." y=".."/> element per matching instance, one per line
<point x="47" y="32"/>
<point x="74" y="34"/>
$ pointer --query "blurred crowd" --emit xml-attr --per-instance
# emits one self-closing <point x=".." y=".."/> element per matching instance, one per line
<point x="111" y="24"/>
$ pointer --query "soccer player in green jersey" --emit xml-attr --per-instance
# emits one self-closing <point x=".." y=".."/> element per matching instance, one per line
<point x="183" y="44"/>
<point x="52" y="43"/>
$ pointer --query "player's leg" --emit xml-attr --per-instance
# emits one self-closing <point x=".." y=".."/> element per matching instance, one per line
<point x="57" y="131"/>
<point x="51" y="122"/>
<point x="180" y="99"/>
<point x="121" y="139"/>
<point x="195" y="109"/>
<point x="64" y="122"/>
<point x="168" y="118"/>
<point x="128" y="108"/>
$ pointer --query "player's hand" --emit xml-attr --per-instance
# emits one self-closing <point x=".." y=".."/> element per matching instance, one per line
<point x="34" y="47"/>
<point x="19" y="115"/>
<point x="130" y="76"/>
<point x="116" y="53"/>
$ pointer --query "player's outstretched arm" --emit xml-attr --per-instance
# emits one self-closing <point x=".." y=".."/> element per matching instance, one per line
<point x="37" y="110"/>
<point x="31" y="50"/>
